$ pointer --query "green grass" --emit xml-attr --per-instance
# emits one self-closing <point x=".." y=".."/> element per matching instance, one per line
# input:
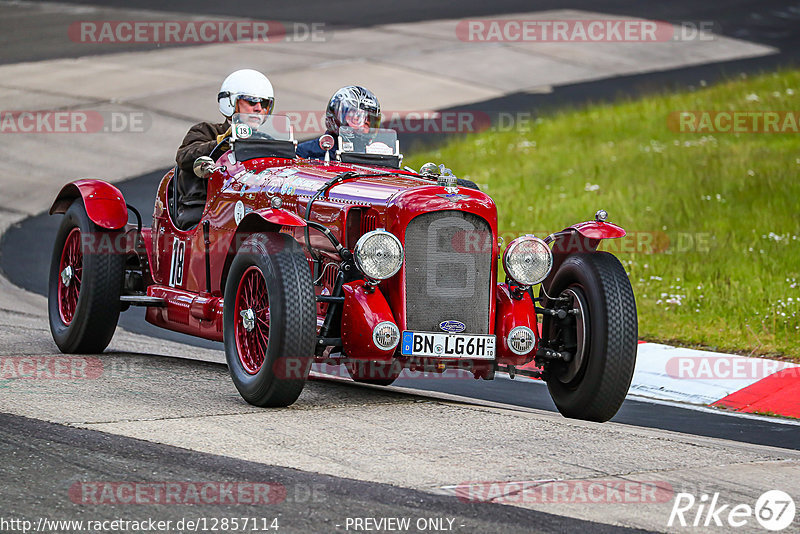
<point x="728" y="278"/>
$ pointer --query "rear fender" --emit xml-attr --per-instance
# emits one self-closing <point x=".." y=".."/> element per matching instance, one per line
<point x="104" y="203"/>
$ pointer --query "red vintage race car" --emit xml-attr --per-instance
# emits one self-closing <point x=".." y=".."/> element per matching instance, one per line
<point x="355" y="261"/>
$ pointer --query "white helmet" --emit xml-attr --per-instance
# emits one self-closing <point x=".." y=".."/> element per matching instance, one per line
<point x="247" y="83"/>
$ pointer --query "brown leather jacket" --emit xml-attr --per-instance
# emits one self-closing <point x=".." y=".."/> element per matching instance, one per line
<point x="200" y="140"/>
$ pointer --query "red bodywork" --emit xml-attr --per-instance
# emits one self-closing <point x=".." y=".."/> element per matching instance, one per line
<point x="104" y="203"/>
<point x="364" y="309"/>
<point x="241" y="201"/>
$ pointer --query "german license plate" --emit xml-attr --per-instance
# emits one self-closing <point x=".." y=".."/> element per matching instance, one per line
<point x="443" y="345"/>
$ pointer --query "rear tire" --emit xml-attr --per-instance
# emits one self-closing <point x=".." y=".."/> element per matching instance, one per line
<point x="85" y="284"/>
<point x="602" y="337"/>
<point x="269" y="320"/>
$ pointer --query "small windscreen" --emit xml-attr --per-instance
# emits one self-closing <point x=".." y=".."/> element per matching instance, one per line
<point x="375" y="141"/>
<point x="254" y="127"/>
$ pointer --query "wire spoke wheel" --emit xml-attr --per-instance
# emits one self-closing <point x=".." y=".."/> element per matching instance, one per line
<point x="70" y="272"/>
<point x="252" y="330"/>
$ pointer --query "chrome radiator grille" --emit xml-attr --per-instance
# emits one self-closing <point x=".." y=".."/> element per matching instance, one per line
<point x="448" y="271"/>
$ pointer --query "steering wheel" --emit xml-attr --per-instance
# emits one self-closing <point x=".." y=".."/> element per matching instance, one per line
<point x="261" y="136"/>
<point x="214" y="154"/>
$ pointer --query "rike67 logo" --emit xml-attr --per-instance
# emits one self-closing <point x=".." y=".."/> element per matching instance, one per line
<point x="774" y="510"/>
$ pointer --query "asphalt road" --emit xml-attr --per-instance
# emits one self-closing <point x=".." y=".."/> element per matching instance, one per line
<point x="299" y="501"/>
<point x="27" y="266"/>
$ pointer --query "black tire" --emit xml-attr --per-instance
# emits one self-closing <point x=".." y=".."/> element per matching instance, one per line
<point x="593" y="385"/>
<point x="463" y="182"/>
<point x="373" y="372"/>
<point x="84" y="311"/>
<point x="275" y="269"/>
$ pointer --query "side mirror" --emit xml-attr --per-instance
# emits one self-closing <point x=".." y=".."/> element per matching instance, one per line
<point x="326" y="143"/>
<point x="203" y="167"/>
<point x="430" y="169"/>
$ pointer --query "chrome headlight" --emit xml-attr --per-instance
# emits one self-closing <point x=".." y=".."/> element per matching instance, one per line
<point x="527" y="260"/>
<point x="378" y="254"/>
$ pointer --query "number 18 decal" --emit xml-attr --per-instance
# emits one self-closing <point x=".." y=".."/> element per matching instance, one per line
<point x="176" y="269"/>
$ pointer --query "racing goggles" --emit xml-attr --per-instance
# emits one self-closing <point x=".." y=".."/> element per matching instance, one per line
<point x="266" y="103"/>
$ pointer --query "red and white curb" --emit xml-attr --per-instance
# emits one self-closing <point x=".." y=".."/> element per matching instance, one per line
<point x="737" y="383"/>
<point x="734" y="383"/>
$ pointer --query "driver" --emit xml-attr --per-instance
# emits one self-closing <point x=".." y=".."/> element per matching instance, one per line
<point x="352" y="106"/>
<point x="243" y="91"/>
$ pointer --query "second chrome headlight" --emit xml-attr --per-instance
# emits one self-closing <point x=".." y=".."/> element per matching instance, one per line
<point x="527" y="260"/>
<point x="378" y="254"/>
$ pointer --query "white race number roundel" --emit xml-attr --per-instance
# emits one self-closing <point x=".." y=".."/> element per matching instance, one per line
<point x="238" y="212"/>
<point x="243" y="131"/>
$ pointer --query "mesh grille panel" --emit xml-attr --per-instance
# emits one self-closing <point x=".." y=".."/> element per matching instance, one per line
<point x="448" y="271"/>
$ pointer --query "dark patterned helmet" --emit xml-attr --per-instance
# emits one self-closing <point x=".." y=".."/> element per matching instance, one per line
<point x="352" y="106"/>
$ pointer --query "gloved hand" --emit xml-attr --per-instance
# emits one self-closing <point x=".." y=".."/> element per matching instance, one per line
<point x="227" y="133"/>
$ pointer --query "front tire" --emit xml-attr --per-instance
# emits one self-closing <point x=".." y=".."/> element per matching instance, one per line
<point x="602" y="336"/>
<point x="463" y="182"/>
<point x="85" y="284"/>
<point x="269" y="320"/>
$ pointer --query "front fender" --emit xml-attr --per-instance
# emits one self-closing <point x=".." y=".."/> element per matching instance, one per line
<point x="281" y="217"/>
<point x="363" y="310"/>
<point x="582" y="237"/>
<point x="104" y="203"/>
<point x="511" y="313"/>
<point x="579" y="238"/>
<point x="599" y="230"/>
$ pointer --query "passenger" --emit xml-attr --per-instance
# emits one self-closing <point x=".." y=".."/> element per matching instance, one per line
<point x="244" y="91"/>
<point x="352" y="106"/>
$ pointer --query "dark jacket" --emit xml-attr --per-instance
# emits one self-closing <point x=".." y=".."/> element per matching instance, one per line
<point x="310" y="149"/>
<point x="200" y="140"/>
